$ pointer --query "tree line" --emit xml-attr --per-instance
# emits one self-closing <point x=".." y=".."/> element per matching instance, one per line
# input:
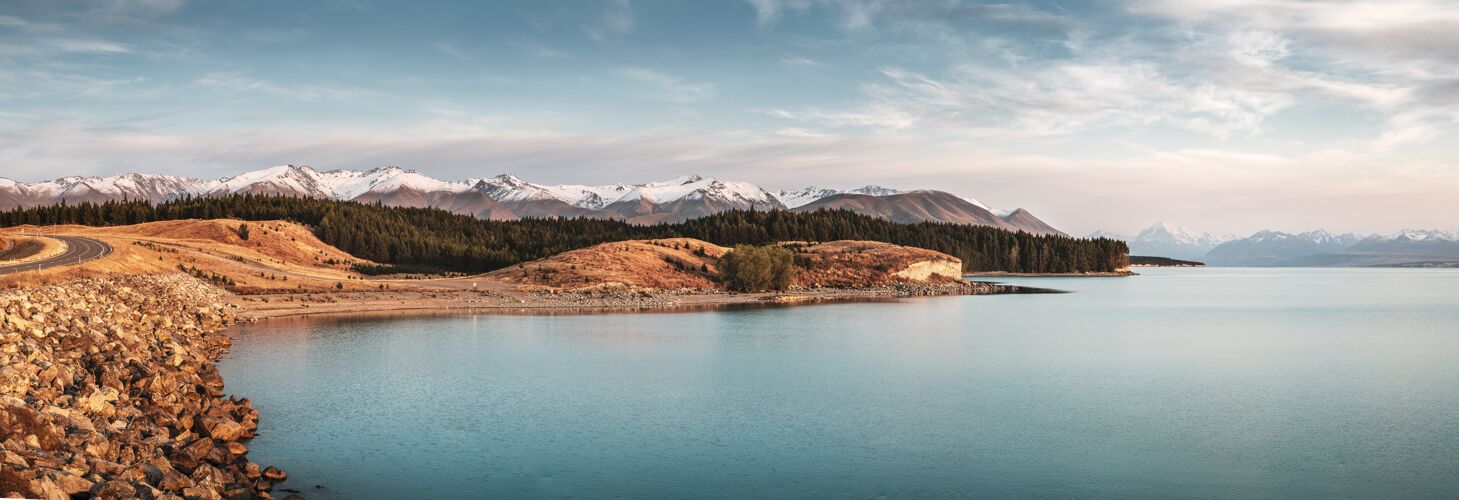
<point x="434" y="239"/>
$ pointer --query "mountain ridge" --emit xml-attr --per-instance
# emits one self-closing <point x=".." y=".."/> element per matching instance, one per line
<point x="1316" y="248"/>
<point x="506" y="196"/>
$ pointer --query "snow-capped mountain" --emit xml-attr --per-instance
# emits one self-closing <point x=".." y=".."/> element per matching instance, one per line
<point x="1274" y="248"/>
<point x="1168" y="240"/>
<point x="507" y="196"/>
<point x="913" y="206"/>
<point x="1427" y="235"/>
<point x="796" y="197"/>
<point x="930" y="206"/>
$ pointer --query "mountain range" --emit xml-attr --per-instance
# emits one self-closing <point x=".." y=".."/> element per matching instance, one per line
<point x="1407" y="248"/>
<point x="507" y="197"/>
<point x="1167" y="240"/>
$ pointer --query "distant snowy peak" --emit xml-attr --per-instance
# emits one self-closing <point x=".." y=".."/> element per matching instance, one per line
<point x="508" y="196"/>
<point x="1164" y="232"/>
<point x="130" y="186"/>
<point x="508" y="187"/>
<point x="1319" y="237"/>
<point x="792" y="198"/>
<point x="351" y="184"/>
<point x="875" y="191"/>
<point x="797" y="197"/>
<point x="1427" y="235"/>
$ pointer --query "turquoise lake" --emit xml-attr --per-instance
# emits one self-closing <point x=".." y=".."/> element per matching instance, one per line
<point x="1189" y="383"/>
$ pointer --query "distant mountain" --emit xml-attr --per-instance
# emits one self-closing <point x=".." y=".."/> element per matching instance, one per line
<point x="1276" y="248"/>
<point x="798" y="197"/>
<point x="507" y="196"/>
<point x="929" y="206"/>
<point x="1168" y="240"/>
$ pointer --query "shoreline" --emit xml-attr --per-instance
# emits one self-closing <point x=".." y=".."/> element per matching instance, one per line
<point x="438" y="301"/>
<point x="1000" y="274"/>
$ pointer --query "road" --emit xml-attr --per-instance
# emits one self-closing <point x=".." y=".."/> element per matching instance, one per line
<point x="78" y="250"/>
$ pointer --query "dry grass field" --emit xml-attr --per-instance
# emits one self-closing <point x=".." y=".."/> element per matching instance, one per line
<point x="276" y="257"/>
<point x="665" y="264"/>
<point x="17" y="249"/>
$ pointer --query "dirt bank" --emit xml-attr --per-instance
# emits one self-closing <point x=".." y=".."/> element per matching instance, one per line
<point x="505" y="300"/>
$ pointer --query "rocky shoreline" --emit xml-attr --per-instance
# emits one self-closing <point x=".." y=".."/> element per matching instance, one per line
<point x="585" y="301"/>
<point x="108" y="390"/>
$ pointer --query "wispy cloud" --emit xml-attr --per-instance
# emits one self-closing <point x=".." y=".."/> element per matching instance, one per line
<point x="539" y="50"/>
<point x="617" y="19"/>
<point x="795" y="60"/>
<point x="768" y="12"/>
<point x="451" y="49"/>
<point x="238" y="82"/>
<point x="669" y="87"/>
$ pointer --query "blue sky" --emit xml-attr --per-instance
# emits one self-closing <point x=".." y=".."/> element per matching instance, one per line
<point x="1222" y="115"/>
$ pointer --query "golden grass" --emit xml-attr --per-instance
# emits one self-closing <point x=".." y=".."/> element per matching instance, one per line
<point x="16" y="249"/>
<point x="277" y="257"/>
<point x="646" y="264"/>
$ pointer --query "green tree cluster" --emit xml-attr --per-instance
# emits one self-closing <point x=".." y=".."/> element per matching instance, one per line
<point x="751" y="268"/>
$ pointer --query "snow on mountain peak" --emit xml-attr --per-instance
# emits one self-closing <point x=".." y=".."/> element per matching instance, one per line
<point x="1428" y="235"/>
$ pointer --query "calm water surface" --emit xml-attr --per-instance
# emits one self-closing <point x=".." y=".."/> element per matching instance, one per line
<point x="1179" y="383"/>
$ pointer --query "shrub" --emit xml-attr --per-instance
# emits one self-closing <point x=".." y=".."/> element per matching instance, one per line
<point x="757" y="268"/>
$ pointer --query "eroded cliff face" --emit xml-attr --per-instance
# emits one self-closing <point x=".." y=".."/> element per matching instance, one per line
<point x="931" y="270"/>
<point x="108" y="390"/>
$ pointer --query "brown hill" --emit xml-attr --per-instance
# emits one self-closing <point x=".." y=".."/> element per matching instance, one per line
<point x="18" y="249"/>
<point x="868" y="263"/>
<point x="680" y="263"/>
<point x="277" y="256"/>
<point x="665" y="264"/>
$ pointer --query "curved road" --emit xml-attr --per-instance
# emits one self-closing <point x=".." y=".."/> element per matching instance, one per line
<point x="78" y="250"/>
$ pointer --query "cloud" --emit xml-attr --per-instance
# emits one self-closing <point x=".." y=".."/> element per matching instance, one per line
<point x="670" y="87"/>
<point x="132" y="11"/>
<point x="768" y="12"/>
<point x="795" y="60"/>
<point x="238" y="82"/>
<point x="450" y="49"/>
<point x="538" y="50"/>
<point x="1392" y="56"/>
<point x="53" y="46"/>
<point x="617" y="19"/>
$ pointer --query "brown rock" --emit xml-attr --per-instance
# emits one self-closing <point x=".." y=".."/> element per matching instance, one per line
<point x="47" y="489"/>
<point x="175" y="481"/>
<point x="72" y="484"/>
<point x="196" y="493"/>
<point x="115" y="489"/>
<point x="274" y="474"/>
<point x="221" y="429"/>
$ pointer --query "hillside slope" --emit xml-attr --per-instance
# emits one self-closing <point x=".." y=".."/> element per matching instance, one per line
<point x="929" y="206"/>
<point x="276" y="256"/>
<point x="687" y="263"/>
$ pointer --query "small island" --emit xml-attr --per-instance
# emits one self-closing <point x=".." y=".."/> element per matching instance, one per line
<point x="1148" y="261"/>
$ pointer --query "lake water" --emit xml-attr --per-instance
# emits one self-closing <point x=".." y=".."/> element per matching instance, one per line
<point x="1231" y="383"/>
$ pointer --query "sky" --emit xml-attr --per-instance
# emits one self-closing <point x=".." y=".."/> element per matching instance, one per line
<point x="1228" y="116"/>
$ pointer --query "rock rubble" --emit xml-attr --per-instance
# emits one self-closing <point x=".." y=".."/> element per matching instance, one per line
<point x="108" y="390"/>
